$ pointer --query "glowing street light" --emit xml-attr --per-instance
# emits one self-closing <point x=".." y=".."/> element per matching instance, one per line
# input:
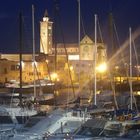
<point x="71" y="68"/>
<point x="54" y="76"/>
<point x="102" y="68"/>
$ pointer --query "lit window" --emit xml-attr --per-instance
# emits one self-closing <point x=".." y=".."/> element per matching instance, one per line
<point x="49" y="27"/>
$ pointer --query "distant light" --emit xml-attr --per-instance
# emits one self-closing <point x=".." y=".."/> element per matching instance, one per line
<point x="138" y="93"/>
<point x="54" y="76"/>
<point x="89" y="101"/>
<point x="50" y="84"/>
<point x="102" y="68"/>
<point x="45" y="19"/>
<point x="116" y="67"/>
<point x="47" y="61"/>
<point x="71" y="68"/>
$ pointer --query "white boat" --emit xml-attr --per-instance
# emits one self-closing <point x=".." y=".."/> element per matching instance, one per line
<point x="59" y="121"/>
<point x="14" y="117"/>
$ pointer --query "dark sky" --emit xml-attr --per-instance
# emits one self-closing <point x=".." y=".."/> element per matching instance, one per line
<point x="125" y="12"/>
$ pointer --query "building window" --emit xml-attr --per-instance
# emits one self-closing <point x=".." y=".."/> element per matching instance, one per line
<point x="15" y="67"/>
<point x="12" y="67"/>
<point x="50" y="27"/>
<point x="30" y="73"/>
<point x="5" y="70"/>
<point x="39" y="73"/>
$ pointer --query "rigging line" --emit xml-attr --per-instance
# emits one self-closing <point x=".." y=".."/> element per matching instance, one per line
<point x="130" y="80"/>
<point x="66" y="54"/>
<point x="126" y="68"/>
<point x="83" y="27"/>
<point x="56" y="8"/>
<point x="100" y="33"/>
<point x="122" y="56"/>
<point x="135" y="51"/>
<point x="137" y="71"/>
<point x="110" y="75"/>
<point x="38" y="76"/>
<point x="118" y="40"/>
<point x="112" y="86"/>
<point x="130" y="67"/>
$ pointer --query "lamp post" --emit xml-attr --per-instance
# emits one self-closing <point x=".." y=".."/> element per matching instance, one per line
<point x="101" y="69"/>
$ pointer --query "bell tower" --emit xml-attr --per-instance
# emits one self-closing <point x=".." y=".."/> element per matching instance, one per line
<point x="46" y="35"/>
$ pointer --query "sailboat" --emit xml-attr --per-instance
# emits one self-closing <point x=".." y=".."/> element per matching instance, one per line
<point x="15" y="115"/>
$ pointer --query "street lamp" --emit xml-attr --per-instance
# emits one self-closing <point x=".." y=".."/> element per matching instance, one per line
<point x="102" y="67"/>
<point x="54" y="76"/>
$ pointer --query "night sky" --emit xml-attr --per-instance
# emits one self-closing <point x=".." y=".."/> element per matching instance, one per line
<point x="126" y="13"/>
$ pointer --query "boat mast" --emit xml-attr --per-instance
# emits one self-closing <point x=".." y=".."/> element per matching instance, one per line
<point x="95" y="53"/>
<point x="33" y="35"/>
<point x="79" y="28"/>
<point x="20" y="55"/>
<point x="130" y="67"/>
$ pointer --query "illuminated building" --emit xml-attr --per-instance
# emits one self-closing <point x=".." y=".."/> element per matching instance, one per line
<point x="81" y="59"/>
<point x="10" y="71"/>
<point x="46" y="35"/>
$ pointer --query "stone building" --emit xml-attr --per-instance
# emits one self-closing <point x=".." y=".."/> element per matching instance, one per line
<point x="80" y="58"/>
